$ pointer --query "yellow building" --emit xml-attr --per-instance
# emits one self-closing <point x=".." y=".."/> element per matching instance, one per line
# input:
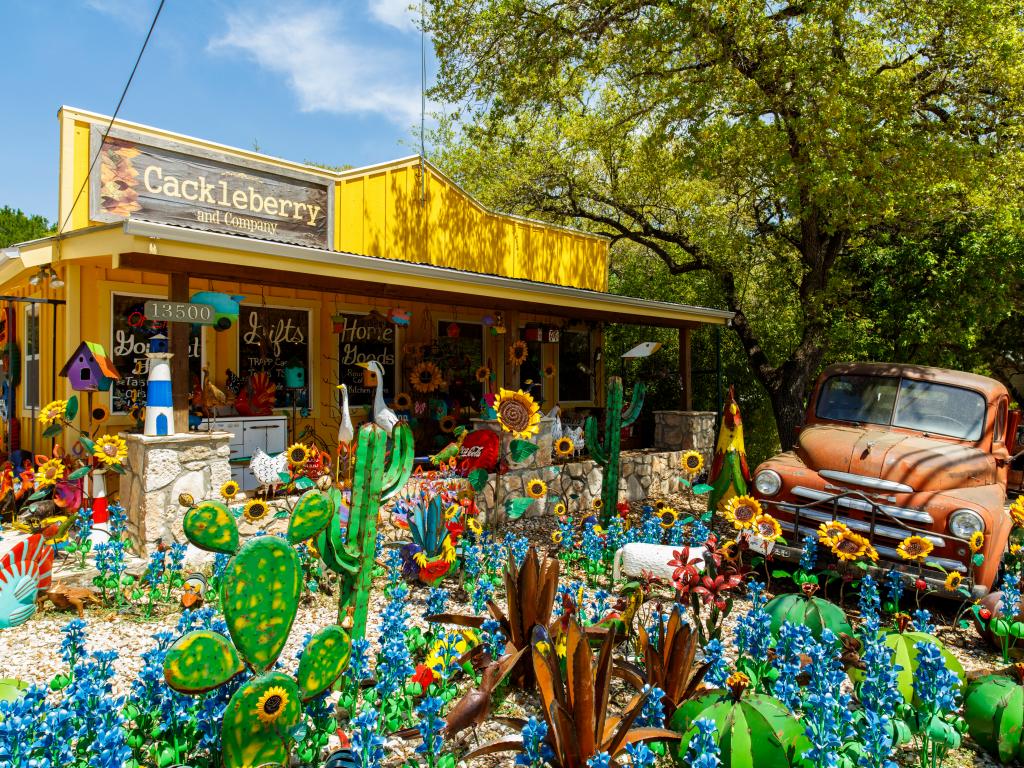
<point x="392" y="262"/>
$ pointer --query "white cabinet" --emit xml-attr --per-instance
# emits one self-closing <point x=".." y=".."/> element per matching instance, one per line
<point x="268" y="433"/>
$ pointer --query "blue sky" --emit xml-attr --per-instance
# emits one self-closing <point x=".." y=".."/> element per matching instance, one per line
<point x="308" y="80"/>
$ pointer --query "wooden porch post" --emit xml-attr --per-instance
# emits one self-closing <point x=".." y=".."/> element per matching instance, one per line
<point x="685" y="370"/>
<point x="177" y="343"/>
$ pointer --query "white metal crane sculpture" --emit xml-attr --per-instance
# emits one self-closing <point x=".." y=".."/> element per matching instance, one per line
<point x="383" y="416"/>
<point x="346" y="433"/>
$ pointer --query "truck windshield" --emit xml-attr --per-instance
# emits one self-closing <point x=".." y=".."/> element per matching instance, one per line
<point x="924" y="406"/>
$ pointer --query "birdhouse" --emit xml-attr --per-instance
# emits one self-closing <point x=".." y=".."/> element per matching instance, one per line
<point x="294" y="376"/>
<point x="158" y="343"/>
<point x="89" y="369"/>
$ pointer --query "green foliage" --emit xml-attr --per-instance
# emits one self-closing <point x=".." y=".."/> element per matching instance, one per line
<point x="783" y="161"/>
<point x="18" y="227"/>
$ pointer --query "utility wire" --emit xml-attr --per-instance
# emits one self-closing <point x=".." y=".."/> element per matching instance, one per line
<point x="113" y="117"/>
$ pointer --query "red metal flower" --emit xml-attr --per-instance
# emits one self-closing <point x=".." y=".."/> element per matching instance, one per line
<point x="686" y="573"/>
<point x="424" y="676"/>
<point x="433" y="571"/>
<point x="716" y="589"/>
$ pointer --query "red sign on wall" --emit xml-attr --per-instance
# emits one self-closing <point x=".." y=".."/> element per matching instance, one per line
<point x="479" y="450"/>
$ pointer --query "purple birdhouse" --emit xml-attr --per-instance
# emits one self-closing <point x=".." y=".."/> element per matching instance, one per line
<point x="89" y="369"/>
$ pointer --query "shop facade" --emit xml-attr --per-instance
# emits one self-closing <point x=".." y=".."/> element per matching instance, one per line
<point x="308" y="272"/>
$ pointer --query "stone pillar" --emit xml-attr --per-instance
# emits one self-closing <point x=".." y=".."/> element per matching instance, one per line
<point x="684" y="431"/>
<point x="162" y="468"/>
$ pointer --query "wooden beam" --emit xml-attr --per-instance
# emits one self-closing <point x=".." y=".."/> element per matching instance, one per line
<point x="177" y="343"/>
<point x="685" y="370"/>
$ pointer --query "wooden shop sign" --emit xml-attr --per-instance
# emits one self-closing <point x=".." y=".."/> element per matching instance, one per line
<point x="361" y="338"/>
<point x="170" y="182"/>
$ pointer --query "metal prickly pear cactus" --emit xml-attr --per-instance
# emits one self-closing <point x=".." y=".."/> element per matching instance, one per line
<point x="994" y="710"/>
<point x="606" y="453"/>
<point x="260" y="593"/>
<point x="350" y="553"/>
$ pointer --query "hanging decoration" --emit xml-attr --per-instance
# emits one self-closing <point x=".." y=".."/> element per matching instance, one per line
<point x="517" y="353"/>
<point x="426" y="377"/>
<point x="453" y="330"/>
<point x="399" y="316"/>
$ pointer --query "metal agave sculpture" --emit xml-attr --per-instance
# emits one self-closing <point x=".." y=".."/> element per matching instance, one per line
<point x="432" y="555"/>
<point x="606" y="453"/>
<point x="668" y="662"/>
<point x="575" y="706"/>
<point x="259" y="592"/>
<point x="530" y="590"/>
<point x="348" y="543"/>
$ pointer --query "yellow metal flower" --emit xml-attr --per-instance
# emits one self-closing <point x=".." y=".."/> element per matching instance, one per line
<point x="693" y="462"/>
<point x="298" y="454"/>
<point x="767" y="527"/>
<point x="51" y="413"/>
<point x="599" y="530"/>
<point x="829" y="532"/>
<point x="915" y="548"/>
<point x="447" y="424"/>
<point x="518" y="413"/>
<point x="1015" y="549"/>
<point x="1017" y="511"/>
<point x="229" y="490"/>
<point x="426" y="377"/>
<point x="556" y="536"/>
<point x="953" y="581"/>
<point x="99" y="414"/>
<point x="49" y="473"/>
<point x="977" y="541"/>
<point x="536" y="488"/>
<point x="597" y="503"/>
<point x="255" y="509"/>
<point x="659" y="504"/>
<point x="483" y="373"/>
<point x="850" y="546"/>
<point x="741" y="511"/>
<point x="549" y="370"/>
<point x="402" y="401"/>
<point x="271" y="704"/>
<point x="474" y="525"/>
<point x="560" y="509"/>
<point x="517" y="353"/>
<point x="730" y="550"/>
<point x="110" y="449"/>
<point x="564" y="447"/>
<point x="452" y="512"/>
<point x="667" y="516"/>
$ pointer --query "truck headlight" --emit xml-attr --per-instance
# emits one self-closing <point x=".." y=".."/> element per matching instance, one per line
<point x="768" y="482"/>
<point x="965" y="522"/>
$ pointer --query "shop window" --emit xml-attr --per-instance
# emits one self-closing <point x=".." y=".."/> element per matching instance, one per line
<point x="30" y="369"/>
<point x="460" y="348"/>
<point x="575" y="363"/>
<point x="531" y="370"/>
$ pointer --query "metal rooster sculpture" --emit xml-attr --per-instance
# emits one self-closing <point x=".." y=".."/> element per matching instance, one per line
<point x="730" y="474"/>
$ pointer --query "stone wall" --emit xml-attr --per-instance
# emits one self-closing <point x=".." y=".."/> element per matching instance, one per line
<point x="684" y="431"/>
<point x="645" y="474"/>
<point x="162" y="468"/>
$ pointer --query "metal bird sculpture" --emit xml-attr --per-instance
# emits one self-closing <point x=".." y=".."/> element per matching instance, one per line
<point x="213" y="397"/>
<point x="345" y="434"/>
<point x="383" y="416"/>
<point x="451" y="450"/>
<point x="730" y="474"/>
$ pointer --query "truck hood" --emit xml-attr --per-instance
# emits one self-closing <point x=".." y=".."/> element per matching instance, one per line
<point x="923" y="463"/>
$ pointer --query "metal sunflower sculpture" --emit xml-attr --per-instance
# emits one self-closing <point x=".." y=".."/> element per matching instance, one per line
<point x="426" y="377"/>
<point x="518" y="413"/>
<point x="517" y="353"/>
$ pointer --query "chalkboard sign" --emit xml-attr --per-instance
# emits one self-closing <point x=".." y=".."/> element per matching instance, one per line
<point x="270" y="338"/>
<point x="361" y="338"/>
<point x="130" y="333"/>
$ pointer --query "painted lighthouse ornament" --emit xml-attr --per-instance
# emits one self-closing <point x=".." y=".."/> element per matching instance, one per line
<point x="159" y="403"/>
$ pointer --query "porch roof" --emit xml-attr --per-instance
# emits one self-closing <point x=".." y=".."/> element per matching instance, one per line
<point x="167" y="248"/>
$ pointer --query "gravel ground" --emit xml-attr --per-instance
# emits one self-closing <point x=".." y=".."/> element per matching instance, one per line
<point x="31" y="651"/>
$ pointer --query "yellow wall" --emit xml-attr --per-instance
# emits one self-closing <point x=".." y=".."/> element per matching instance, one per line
<point x="387" y="211"/>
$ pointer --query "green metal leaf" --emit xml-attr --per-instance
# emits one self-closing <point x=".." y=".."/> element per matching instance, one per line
<point x="323" y="661"/>
<point x="39" y="494"/>
<point x="88" y="444"/>
<point x="79" y="473"/>
<point x="311" y="515"/>
<point x="212" y="527"/>
<point x="11" y="688"/>
<point x="701" y="488"/>
<point x="304" y="484"/>
<point x="72" y="408"/>
<point x="53" y="430"/>
<point x="261" y="591"/>
<point x="521" y="450"/>
<point x="478" y="479"/>
<point x="201" y="661"/>
<point x="516" y="508"/>
<point x="284" y="477"/>
<point x="257" y="720"/>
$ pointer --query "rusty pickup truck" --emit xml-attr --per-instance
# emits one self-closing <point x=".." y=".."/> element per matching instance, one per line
<point x="892" y="450"/>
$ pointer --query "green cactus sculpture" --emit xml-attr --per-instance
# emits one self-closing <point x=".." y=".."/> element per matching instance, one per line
<point x="607" y="455"/>
<point x="351" y="555"/>
<point x="994" y="709"/>
<point x="260" y="596"/>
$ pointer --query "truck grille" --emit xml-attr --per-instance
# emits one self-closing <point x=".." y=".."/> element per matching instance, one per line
<point x="865" y="481"/>
<point x="901" y="513"/>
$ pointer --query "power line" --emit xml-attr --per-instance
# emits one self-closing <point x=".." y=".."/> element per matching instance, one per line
<point x="113" y="117"/>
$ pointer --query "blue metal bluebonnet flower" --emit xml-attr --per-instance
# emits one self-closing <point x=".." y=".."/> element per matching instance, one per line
<point x="493" y="638"/>
<point x="869" y="602"/>
<point x="484" y="591"/>
<point x="827" y="716"/>
<point x="615" y="536"/>
<point x="718" y="671"/>
<point x="651" y="530"/>
<point x="922" y="621"/>
<point x="699" y="533"/>
<point x="109" y="748"/>
<point x="793" y="639"/>
<point x="472" y="560"/>
<point x="1009" y="602"/>
<point x="753" y="629"/>
<point x="359" y="660"/>
<point x="520" y="546"/>
<point x="599" y="606"/>
<point x="640" y="756"/>
<point x="592" y="545"/>
<point x="894" y="587"/>
<point x="429" y="726"/>
<point x="536" y="751"/>
<point x="809" y="553"/>
<point x="437" y="599"/>
<point x="117" y="520"/>
<point x="393" y="662"/>
<point x="367" y="741"/>
<point x="936" y="687"/>
<point x="600" y="760"/>
<point x="72" y="645"/>
<point x="652" y="714"/>
<point x="703" y="750"/>
<point x="155" y="569"/>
